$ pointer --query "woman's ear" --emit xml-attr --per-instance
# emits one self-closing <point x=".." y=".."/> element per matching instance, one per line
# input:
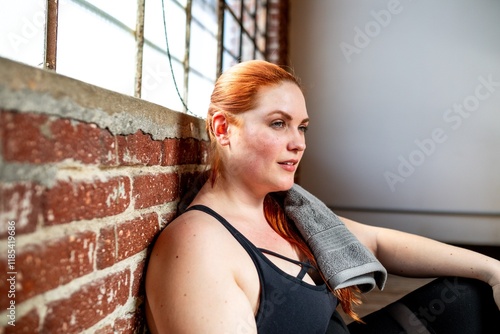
<point x="220" y="127"/>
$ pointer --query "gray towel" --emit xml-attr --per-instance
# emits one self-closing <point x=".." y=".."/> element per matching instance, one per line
<point x="342" y="259"/>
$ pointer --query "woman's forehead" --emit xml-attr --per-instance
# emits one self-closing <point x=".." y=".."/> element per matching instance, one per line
<point x="286" y="97"/>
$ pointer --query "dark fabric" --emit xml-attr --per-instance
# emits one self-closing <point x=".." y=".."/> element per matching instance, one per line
<point x="336" y="325"/>
<point x="287" y="304"/>
<point x="447" y="305"/>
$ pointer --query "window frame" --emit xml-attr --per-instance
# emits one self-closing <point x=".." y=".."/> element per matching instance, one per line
<point x="224" y="7"/>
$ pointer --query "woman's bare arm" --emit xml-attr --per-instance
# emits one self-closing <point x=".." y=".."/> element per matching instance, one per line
<point x="191" y="286"/>
<point x="411" y="255"/>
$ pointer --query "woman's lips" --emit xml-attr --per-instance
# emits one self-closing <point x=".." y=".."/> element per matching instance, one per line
<point x="290" y="165"/>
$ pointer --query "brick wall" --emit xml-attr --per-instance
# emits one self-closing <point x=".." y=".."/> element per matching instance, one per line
<point x="89" y="177"/>
<point x="277" y="32"/>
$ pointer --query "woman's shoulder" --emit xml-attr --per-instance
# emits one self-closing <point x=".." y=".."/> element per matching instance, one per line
<point x="196" y="236"/>
<point x="191" y="229"/>
<point x="193" y="243"/>
<point x="196" y="259"/>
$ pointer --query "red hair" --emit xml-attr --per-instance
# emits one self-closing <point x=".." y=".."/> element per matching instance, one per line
<point x="235" y="92"/>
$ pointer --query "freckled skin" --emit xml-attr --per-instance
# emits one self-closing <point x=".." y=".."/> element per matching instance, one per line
<point x="257" y="146"/>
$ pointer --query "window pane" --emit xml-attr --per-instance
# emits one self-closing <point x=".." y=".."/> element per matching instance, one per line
<point x="181" y="2"/>
<point x="228" y="60"/>
<point x="203" y="52"/>
<point x="250" y="6"/>
<point x="154" y="31"/>
<point x="205" y="12"/>
<point x="249" y="24"/>
<point x="244" y="36"/>
<point x="22" y="31"/>
<point x="235" y="6"/>
<point x="203" y="41"/>
<point x="123" y="11"/>
<point x="199" y="94"/>
<point x="232" y="33"/>
<point x="157" y="83"/>
<point x="85" y="54"/>
<point x="248" y="48"/>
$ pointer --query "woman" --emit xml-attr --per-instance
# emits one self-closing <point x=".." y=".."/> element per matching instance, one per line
<point x="232" y="263"/>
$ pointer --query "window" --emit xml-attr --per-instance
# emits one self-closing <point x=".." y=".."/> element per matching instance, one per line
<point x="169" y="52"/>
<point x="244" y="31"/>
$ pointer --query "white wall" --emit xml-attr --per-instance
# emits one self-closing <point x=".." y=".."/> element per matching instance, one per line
<point x="390" y="81"/>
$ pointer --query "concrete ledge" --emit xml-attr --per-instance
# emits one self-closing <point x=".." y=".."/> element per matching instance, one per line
<point x="28" y="89"/>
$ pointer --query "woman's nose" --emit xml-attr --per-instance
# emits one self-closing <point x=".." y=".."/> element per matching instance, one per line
<point x="297" y="142"/>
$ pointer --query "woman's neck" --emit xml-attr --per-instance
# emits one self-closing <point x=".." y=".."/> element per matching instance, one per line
<point x="231" y="197"/>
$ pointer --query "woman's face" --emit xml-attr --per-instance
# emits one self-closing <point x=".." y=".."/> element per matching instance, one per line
<point x="266" y="148"/>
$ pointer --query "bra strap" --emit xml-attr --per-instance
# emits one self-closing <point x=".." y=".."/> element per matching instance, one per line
<point x="305" y="266"/>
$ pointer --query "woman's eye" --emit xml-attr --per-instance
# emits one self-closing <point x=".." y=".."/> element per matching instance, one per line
<point x="303" y="128"/>
<point x="278" y="124"/>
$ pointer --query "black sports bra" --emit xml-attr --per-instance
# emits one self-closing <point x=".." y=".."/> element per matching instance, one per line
<point x="287" y="303"/>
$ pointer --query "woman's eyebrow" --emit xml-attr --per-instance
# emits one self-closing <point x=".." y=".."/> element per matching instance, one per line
<point x="286" y="115"/>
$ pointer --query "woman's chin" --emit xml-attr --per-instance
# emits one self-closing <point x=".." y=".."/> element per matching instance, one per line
<point x="285" y="185"/>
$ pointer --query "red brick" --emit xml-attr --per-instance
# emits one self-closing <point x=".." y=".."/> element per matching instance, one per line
<point x="5" y="285"/>
<point x="82" y="142"/>
<point x="87" y="306"/>
<point x="136" y="235"/>
<point x="277" y="46"/>
<point x="27" y="145"/>
<point x="41" y="268"/>
<point x="138" y="288"/>
<point x="116" y="243"/>
<point x="108" y="329"/>
<point x="20" y="203"/>
<point x="154" y="189"/>
<point x="166" y="218"/>
<point x="40" y="139"/>
<point x="139" y="149"/>
<point x="106" y="247"/>
<point x="131" y="324"/>
<point x="28" y="324"/>
<point x="108" y="154"/>
<point x="70" y="201"/>
<point x="3" y="128"/>
<point x="184" y="152"/>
